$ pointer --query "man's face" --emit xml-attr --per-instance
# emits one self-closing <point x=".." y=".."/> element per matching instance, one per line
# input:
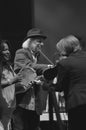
<point x="36" y="44"/>
<point x="6" y="52"/>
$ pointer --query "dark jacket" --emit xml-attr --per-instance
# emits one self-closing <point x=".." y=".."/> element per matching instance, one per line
<point x="72" y="79"/>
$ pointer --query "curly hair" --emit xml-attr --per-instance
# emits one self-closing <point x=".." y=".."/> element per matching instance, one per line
<point x="2" y="42"/>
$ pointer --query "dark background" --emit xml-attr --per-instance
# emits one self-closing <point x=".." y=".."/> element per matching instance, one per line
<point x="57" y="18"/>
<point x="16" y="17"/>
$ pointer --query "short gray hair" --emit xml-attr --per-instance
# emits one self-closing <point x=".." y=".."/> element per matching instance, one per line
<point x="68" y="45"/>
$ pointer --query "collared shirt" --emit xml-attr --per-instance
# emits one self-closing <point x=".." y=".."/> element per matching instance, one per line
<point x="34" y="58"/>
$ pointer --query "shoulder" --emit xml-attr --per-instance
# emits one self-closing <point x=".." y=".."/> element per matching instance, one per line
<point x="20" y="50"/>
<point x="66" y="63"/>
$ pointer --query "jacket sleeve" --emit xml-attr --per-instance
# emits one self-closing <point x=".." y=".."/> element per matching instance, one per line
<point x="21" y="60"/>
<point x="62" y="79"/>
<point x="40" y="68"/>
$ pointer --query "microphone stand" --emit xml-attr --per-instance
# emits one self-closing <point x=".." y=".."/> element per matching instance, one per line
<point x="53" y="104"/>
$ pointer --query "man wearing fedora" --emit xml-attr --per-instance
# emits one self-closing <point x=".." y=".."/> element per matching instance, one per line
<point x="30" y="104"/>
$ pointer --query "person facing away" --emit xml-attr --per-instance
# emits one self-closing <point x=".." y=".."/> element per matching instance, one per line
<point x="33" y="102"/>
<point x="7" y="86"/>
<point x="71" y="79"/>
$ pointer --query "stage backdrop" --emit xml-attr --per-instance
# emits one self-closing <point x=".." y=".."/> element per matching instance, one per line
<point x="16" y="18"/>
<point x="58" y="18"/>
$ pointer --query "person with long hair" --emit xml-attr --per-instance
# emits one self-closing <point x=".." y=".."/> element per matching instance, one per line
<point x="7" y="86"/>
<point x="31" y="103"/>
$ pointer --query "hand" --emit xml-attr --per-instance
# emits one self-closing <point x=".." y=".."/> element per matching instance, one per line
<point x="16" y="79"/>
<point x="36" y="83"/>
<point x="41" y="78"/>
<point x="50" y="66"/>
<point x="62" y="57"/>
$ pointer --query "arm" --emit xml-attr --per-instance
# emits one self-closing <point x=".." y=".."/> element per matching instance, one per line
<point x="40" y="68"/>
<point x="5" y="84"/>
<point x="21" y="60"/>
<point x="62" y="79"/>
<point x="8" y="82"/>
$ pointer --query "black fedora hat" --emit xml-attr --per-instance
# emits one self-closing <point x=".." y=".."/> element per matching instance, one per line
<point x="35" y="32"/>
